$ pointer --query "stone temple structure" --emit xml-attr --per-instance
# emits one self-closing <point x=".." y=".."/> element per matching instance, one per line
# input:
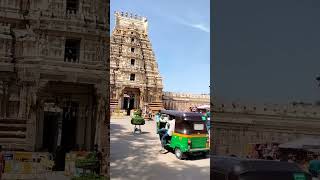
<point x="54" y="75"/>
<point x="236" y="126"/>
<point x="183" y="101"/>
<point x="134" y="76"/>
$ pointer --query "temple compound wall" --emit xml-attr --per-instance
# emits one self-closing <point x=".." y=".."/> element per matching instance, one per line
<point x="183" y="101"/>
<point x="134" y="76"/>
<point x="54" y="75"/>
<point x="236" y="126"/>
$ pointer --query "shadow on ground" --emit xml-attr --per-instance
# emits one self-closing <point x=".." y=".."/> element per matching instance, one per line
<point x="137" y="157"/>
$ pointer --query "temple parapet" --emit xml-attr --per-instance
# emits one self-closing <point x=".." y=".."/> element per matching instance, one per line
<point x="131" y="21"/>
<point x="130" y="16"/>
<point x="186" y="95"/>
<point x="297" y="110"/>
<point x="183" y="101"/>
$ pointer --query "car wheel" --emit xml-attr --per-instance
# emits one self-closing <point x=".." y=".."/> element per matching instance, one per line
<point x="178" y="153"/>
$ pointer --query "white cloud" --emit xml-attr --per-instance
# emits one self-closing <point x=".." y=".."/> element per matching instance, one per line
<point x="200" y="26"/>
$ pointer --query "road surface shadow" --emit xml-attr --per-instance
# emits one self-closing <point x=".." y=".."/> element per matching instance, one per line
<point x="192" y="158"/>
<point x="143" y="132"/>
<point x="137" y="157"/>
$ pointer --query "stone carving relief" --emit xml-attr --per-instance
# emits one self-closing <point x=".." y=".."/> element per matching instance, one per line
<point x="43" y="44"/>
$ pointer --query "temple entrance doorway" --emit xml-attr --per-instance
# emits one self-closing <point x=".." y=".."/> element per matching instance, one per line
<point x="130" y="99"/>
<point x="59" y="136"/>
<point x="50" y="135"/>
<point x="67" y="120"/>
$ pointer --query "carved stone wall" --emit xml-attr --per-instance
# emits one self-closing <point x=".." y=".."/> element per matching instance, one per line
<point x="183" y="101"/>
<point x="131" y="53"/>
<point x="235" y="125"/>
<point x="33" y="37"/>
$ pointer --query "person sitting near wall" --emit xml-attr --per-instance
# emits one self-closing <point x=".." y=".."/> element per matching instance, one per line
<point x="269" y="158"/>
<point x="291" y="158"/>
<point x="314" y="166"/>
<point x="2" y="162"/>
<point x="59" y="159"/>
<point x="98" y="155"/>
<point x="150" y="114"/>
<point x="303" y="163"/>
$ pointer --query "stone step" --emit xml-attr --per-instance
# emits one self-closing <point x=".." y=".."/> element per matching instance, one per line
<point x="15" y="144"/>
<point x="12" y="134"/>
<point x="113" y="104"/>
<point x="13" y="127"/>
<point x="12" y="121"/>
<point x="11" y="140"/>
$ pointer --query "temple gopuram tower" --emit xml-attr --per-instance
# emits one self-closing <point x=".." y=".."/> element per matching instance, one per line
<point x="134" y="76"/>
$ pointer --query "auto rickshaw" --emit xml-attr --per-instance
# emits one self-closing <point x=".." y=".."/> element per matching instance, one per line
<point x="234" y="168"/>
<point x="190" y="135"/>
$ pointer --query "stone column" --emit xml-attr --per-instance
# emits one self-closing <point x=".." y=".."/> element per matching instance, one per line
<point x="31" y="115"/>
<point x="120" y="96"/>
<point x="142" y="98"/>
<point x="5" y="98"/>
<point x="102" y="127"/>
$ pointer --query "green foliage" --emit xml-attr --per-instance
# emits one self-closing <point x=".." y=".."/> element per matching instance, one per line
<point x="138" y="112"/>
<point x="137" y="120"/>
<point x="91" y="176"/>
<point x="83" y="163"/>
<point x="90" y="161"/>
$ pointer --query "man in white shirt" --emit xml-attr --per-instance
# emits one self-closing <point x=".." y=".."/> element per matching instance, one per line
<point x="170" y="129"/>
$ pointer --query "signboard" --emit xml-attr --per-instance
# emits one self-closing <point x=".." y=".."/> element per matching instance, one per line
<point x="198" y="127"/>
<point x="27" y="162"/>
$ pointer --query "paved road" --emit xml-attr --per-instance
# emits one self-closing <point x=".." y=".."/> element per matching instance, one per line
<point x="137" y="156"/>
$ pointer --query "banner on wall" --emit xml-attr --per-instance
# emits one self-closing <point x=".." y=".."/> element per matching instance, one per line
<point x="27" y="162"/>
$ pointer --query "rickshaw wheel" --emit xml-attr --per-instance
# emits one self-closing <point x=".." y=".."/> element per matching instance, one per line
<point x="205" y="154"/>
<point x="178" y="153"/>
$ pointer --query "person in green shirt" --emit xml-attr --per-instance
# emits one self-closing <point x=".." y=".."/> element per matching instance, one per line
<point x="314" y="166"/>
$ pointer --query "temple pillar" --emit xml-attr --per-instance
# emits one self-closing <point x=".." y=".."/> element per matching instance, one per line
<point x="31" y="116"/>
<point x="102" y="127"/>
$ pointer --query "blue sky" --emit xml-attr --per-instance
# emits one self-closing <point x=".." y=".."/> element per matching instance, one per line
<point x="267" y="51"/>
<point x="180" y="36"/>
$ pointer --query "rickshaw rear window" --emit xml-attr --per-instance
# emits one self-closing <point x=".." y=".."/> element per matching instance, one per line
<point x="190" y="127"/>
<point x="198" y="127"/>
